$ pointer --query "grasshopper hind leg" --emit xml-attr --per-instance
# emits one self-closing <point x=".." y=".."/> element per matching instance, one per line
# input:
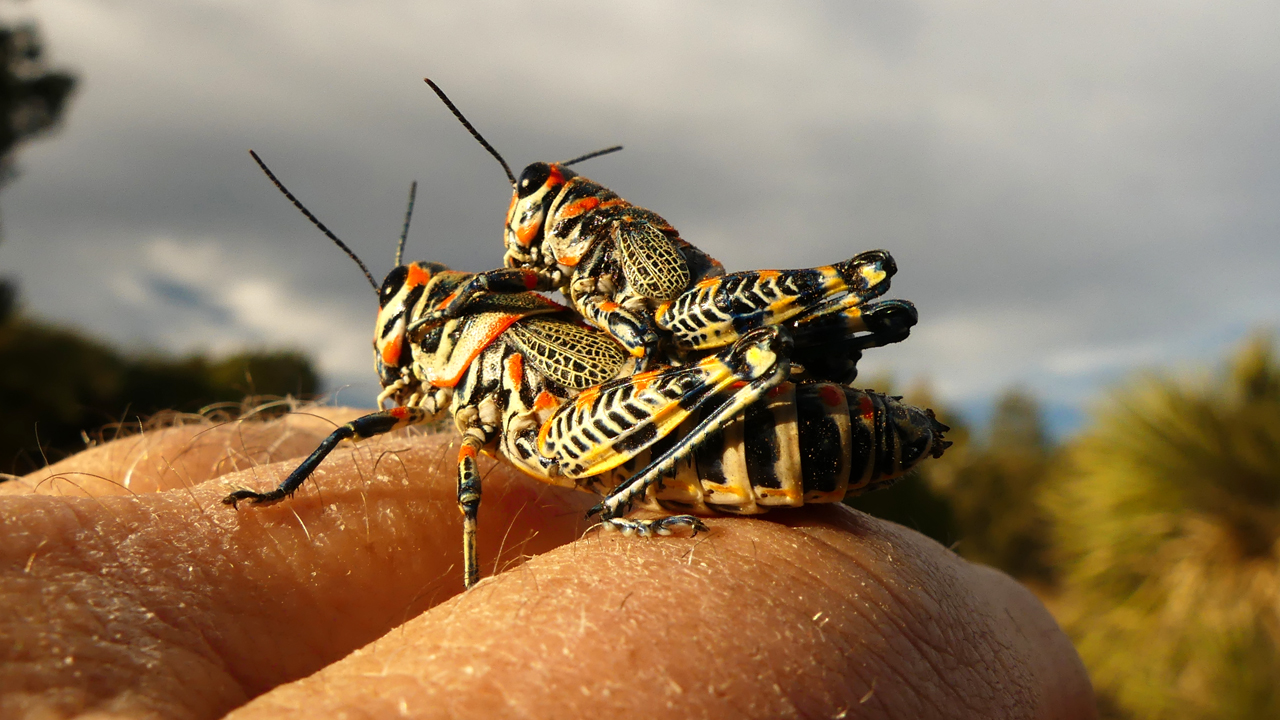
<point x="661" y="526"/>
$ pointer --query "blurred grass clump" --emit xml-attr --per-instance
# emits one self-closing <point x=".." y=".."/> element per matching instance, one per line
<point x="1166" y="519"/>
<point x="1153" y="535"/>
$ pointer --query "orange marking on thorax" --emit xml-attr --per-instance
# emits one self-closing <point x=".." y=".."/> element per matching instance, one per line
<point x="608" y="306"/>
<point x="417" y="276"/>
<point x="525" y="233"/>
<point x="515" y="369"/>
<point x="613" y="203"/>
<point x="479" y="336"/>
<point x="579" y="206"/>
<point x="545" y="401"/>
<point x="391" y="351"/>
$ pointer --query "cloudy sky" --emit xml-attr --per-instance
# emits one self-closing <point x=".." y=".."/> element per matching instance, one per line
<point x="1073" y="190"/>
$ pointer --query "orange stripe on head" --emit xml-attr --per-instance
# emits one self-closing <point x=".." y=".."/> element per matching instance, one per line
<point x="418" y="275"/>
<point x="391" y="351"/>
<point x="527" y="233"/>
<point x="555" y="176"/>
<point x="515" y="369"/>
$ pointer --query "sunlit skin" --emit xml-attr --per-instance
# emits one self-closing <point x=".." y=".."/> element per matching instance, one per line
<point x="150" y="602"/>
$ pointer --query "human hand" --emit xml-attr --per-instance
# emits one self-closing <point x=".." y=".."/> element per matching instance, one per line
<point x="166" y="603"/>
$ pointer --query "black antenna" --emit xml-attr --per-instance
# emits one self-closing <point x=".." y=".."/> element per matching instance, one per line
<point x="404" y="232"/>
<point x="313" y="218"/>
<point x="590" y="155"/>
<point x="458" y="114"/>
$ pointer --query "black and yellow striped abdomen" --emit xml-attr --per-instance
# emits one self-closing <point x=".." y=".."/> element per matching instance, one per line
<point x="806" y="443"/>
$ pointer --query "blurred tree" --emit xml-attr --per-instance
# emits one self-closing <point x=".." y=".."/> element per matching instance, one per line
<point x="32" y="100"/>
<point x="57" y="387"/>
<point x="995" y="490"/>
<point x="32" y="97"/>
<point x="1168" y="530"/>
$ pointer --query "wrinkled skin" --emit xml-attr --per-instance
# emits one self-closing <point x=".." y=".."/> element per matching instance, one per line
<point x="159" y="601"/>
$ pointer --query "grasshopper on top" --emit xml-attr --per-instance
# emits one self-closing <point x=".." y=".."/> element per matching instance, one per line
<point x="627" y="271"/>
<point x="521" y="377"/>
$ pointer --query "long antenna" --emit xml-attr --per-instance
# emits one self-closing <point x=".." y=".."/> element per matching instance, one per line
<point x="404" y="232"/>
<point x="590" y="155"/>
<point x="316" y="221"/>
<point x="458" y="114"/>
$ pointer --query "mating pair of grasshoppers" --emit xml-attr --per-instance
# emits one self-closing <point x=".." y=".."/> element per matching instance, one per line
<point x="684" y="390"/>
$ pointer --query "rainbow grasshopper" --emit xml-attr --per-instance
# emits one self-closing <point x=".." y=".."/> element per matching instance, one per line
<point x="628" y="272"/>
<point x="521" y="376"/>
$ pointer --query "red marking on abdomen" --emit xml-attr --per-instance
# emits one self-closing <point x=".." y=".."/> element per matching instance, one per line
<point x="867" y="409"/>
<point x="831" y="396"/>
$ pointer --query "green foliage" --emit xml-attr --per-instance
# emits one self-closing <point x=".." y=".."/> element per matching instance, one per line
<point x="1167" y="517"/>
<point x="56" y="387"/>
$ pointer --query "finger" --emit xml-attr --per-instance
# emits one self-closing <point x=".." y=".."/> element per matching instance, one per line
<point x="834" y="614"/>
<point x="176" y="605"/>
<point x="182" y="455"/>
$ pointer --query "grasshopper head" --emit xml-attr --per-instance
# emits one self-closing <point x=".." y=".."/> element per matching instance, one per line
<point x="400" y="300"/>
<point x="533" y="195"/>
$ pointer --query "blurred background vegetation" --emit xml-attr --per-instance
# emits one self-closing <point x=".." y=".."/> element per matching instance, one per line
<point x="1153" y="534"/>
<point x="60" y="389"/>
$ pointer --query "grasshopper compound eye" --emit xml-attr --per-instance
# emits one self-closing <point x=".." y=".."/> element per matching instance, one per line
<point x="392" y="285"/>
<point x="533" y="178"/>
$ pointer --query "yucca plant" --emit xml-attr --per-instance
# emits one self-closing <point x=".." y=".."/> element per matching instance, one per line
<point x="1167" y="517"/>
